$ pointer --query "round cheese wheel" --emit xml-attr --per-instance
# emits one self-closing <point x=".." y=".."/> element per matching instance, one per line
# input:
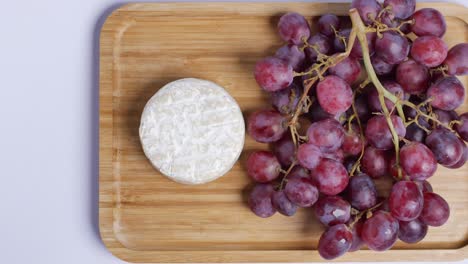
<point x="192" y="131"/>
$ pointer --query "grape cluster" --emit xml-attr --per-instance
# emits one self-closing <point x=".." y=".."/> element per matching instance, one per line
<point x="335" y="127"/>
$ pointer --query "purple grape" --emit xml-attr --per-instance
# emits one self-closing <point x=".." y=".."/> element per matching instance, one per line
<point x="412" y="231"/>
<point x="436" y="210"/>
<point x="357" y="242"/>
<point x="293" y="27"/>
<point x="457" y="59"/>
<point x="429" y="50"/>
<point x="282" y="204"/>
<point x="327" y="134"/>
<point x="378" y="133"/>
<point x="447" y="148"/>
<point x="368" y="10"/>
<point x="348" y="69"/>
<point x="361" y="192"/>
<point x="417" y="161"/>
<point x="401" y="8"/>
<point x="335" y="241"/>
<point x="260" y="200"/>
<point x="428" y="22"/>
<point x="284" y="150"/>
<point x="292" y="55"/>
<point x="330" y="177"/>
<point x="334" y="95"/>
<point x="380" y="66"/>
<point x="405" y="201"/>
<point x="332" y="210"/>
<point x="266" y="126"/>
<point x="392" y="47"/>
<point x="447" y="93"/>
<point x="309" y="156"/>
<point x="273" y="74"/>
<point x="326" y="23"/>
<point x="263" y="166"/>
<point x="323" y="44"/>
<point x="286" y="100"/>
<point x="462" y="128"/>
<point x="413" y="77"/>
<point x="380" y="231"/>
<point x="374" y="162"/>
<point x="301" y="191"/>
<point x="391" y="86"/>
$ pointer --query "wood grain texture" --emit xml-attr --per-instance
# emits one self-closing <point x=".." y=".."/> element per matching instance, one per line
<point x="145" y="217"/>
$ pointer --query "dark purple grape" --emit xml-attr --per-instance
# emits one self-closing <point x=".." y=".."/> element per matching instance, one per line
<point x="309" y="156"/>
<point x="411" y="113"/>
<point x="374" y="162"/>
<point x="461" y="161"/>
<point x="380" y="66"/>
<point x="263" y="166"/>
<point x="457" y="59"/>
<point x="412" y="231"/>
<point x="335" y="241"/>
<point x="413" y="77"/>
<point x="292" y="55"/>
<point x="327" y="23"/>
<point x="330" y="177"/>
<point x="428" y="22"/>
<point x="446" y="146"/>
<point x="356" y="51"/>
<point x="392" y="47"/>
<point x="273" y="74"/>
<point x="353" y="142"/>
<point x="415" y="133"/>
<point x="332" y="210"/>
<point x="447" y="93"/>
<point x="368" y="10"/>
<point x="260" y="200"/>
<point x="384" y="204"/>
<point x="334" y="95"/>
<point x="282" y="204"/>
<point x="436" y="210"/>
<point x="293" y="27"/>
<point x="424" y="186"/>
<point x="401" y="8"/>
<point x="284" y="150"/>
<point x="327" y="134"/>
<point x="380" y="231"/>
<point x="286" y="100"/>
<point x="394" y="88"/>
<point x="362" y="108"/>
<point x="349" y="163"/>
<point x="361" y="192"/>
<point x="348" y="69"/>
<point x="429" y="50"/>
<point x="316" y="113"/>
<point x="323" y="44"/>
<point x="266" y="126"/>
<point x="298" y="172"/>
<point x="417" y="161"/>
<point x="462" y="128"/>
<point x="405" y="201"/>
<point x="339" y="42"/>
<point x="378" y="133"/>
<point x="357" y="242"/>
<point x="301" y="191"/>
<point x="445" y="117"/>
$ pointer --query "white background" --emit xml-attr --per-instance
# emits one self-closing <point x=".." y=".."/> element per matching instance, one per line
<point x="48" y="131"/>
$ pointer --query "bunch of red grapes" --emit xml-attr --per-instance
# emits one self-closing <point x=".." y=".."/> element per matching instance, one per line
<point x="349" y="141"/>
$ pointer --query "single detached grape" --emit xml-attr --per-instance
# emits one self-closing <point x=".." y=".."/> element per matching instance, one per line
<point x="447" y="93"/>
<point x="447" y="148"/>
<point x="429" y="50"/>
<point x="413" y="77"/>
<point x="405" y="201"/>
<point x="327" y="134"/>
<point x="461" y="161"/>
<point x="361" y="192"/>
<point x="286" y="100"/>
<point x="392" y="47"/>
<point x="334" y="95"/>
<point x="378" y="133"/>
<point x="394" y="88"/>
<point x="348" y="69"/>
<point x="332" y="210"/>
<point x="457" y="59"/>
<point x="293" y="27"/>
<point x="424" y="186"/>
<point x="330" y="177"/>
<point x="327" y="23"/>
<point x="263" y="166"/>
<point x="337" y="155"/>
<point x="273" y="74"/>
<point x="374" y="162"/>
<point x="292" y="55"/>
<point x="309" y="156"/>
<point x="401" y="8"/>
<point x="260" y="200"/>
<point x="301" y="191"/>
<point x="428" y="22"/>
<point x="266" y="126"/>
<point x="335" y="241"/>
<point x="436" y="210"/>
<point x="323" y="44"/>
<point x="462" y="128"/>
<point x="368" y="9"/>
<point x="380" y="231"/>
<point x="353" y="142"/>
<point x="380" y="66"/>
<point x="417" y="161"/>
<point x="284" y="150"/>
<point x="357" y="242"/>
<point x="412" y="231"/>
<point x="282" y="204"/>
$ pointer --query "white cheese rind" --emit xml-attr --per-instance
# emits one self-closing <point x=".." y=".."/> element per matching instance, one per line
<point x="192" y="131"/>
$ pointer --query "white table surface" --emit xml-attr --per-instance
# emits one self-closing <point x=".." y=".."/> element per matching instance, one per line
<point x="48" y="131"/>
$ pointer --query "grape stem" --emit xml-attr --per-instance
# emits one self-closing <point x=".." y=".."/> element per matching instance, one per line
<point x="286" y="173"/>
<point x="367" y="212"/>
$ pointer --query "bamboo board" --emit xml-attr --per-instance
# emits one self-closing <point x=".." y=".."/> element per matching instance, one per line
<point x="145" y="217"/>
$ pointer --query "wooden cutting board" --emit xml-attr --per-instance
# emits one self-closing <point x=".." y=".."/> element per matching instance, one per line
<point x="145" y="217"/>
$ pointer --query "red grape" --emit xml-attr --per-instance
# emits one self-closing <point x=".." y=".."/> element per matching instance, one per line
<point x="445" y="117"/>
<point x="323" y="44"/>
<point x="461" y="161"/>
<point x="301" y="191"/>
<point x="417" y="161"/>
<point x="263" y="166"/>
<point x="286" y="100"/>
<point x="332" y="210"/>
<point x="335" y="241"/>
<point x="298" y="172"/>
<point x="316" y="113"/>
<point x="378" y="134"/>
<point x="309" y="156"/>
<point x="368" y="9"/>
<point x="436" y="210"/>
<point x="380" y="66"/>
<point x="330" y="177"/>
<point x="326" y="23"/>
<point x="260" y="200"/>
<point x="447" y="148"/>
<point x="374" y="162"/>
<point x="337" y="155"/>
<point x="405" y="201"/>
<point x="457" y="59"/>
<point x="413" y="77"/>
<point x="447" y="93"/>
<point x="273" y="74"/>
<point x="361" y="192"/>
<point x="429" y="50"/>
<point x="393" y="169"/>
<point x="380" y="231"/>
<point x="293" y="27"/>
<point x="428" y="22"/>
<point x="412" y="231"/>
<point x="353" y="142"/>
<point x="284" y="150"/>
<point x="424" y="186"/>
<point x="392" y="47"/>
<point x="357" y="242"/>
<point x="292" y="55"/>
<point x="401" y="8"/>
<point x="266" y="126"/>
<point x="327" y="134"/>
<point x="348" y="69"/>
<point x="394" y="88"/>
<point x="334" y="95"/>
<point x="282" y="204"/>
